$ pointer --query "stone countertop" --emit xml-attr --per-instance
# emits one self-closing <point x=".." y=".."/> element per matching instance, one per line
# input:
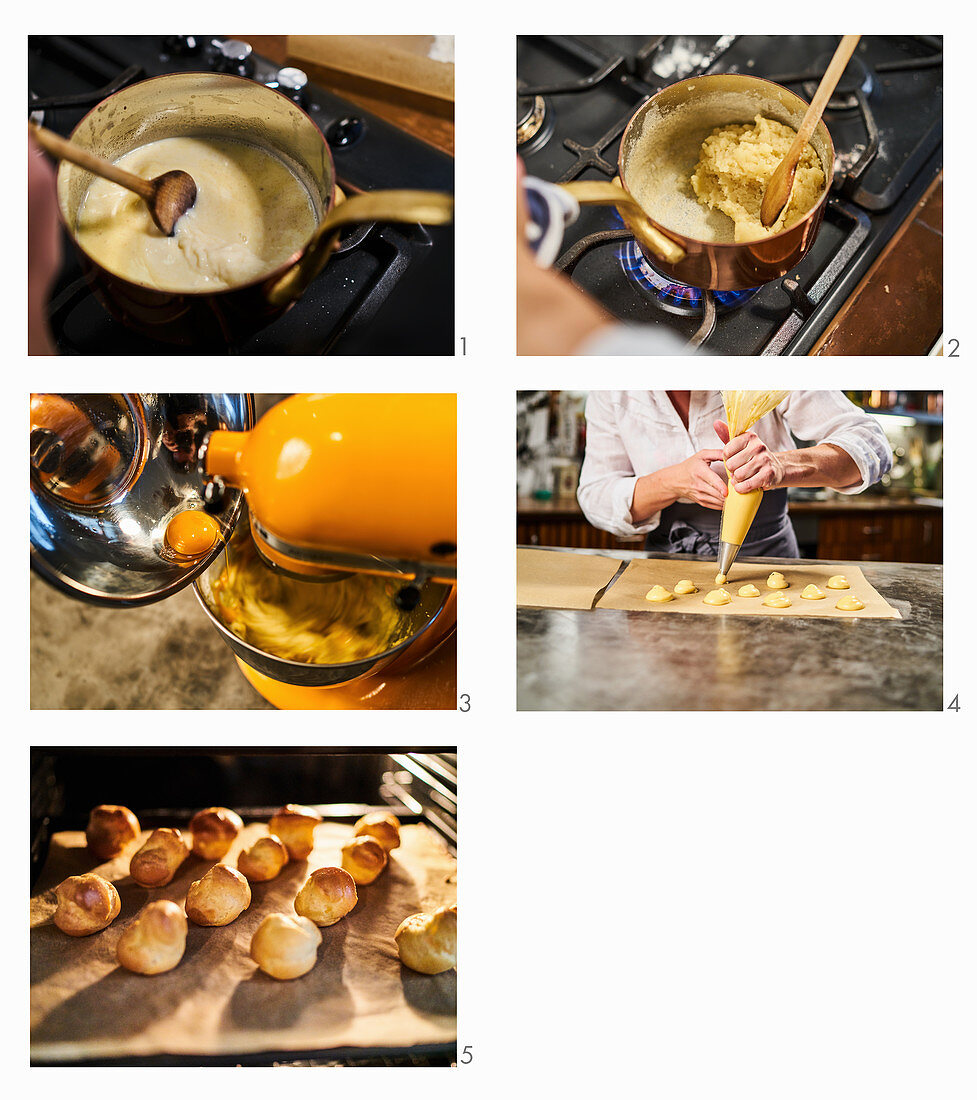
<point x="164" y="656"/>
<point x="633" y="660"/>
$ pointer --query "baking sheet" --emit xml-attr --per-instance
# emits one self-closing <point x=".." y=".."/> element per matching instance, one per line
<point x="551" y="578"/>
<point x="216" y="1001"/>
<point x="628" y="591"/>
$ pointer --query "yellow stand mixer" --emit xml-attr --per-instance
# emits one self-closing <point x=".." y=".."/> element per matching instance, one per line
<point x="332" y="485"/>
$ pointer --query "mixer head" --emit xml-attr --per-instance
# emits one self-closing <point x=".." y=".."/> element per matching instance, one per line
<point x="347" y="483"/>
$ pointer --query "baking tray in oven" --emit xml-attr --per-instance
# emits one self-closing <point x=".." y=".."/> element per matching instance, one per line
<point x="357" y="1003"/>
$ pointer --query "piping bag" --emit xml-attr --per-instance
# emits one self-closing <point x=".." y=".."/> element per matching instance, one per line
<point x="743" y="409"/>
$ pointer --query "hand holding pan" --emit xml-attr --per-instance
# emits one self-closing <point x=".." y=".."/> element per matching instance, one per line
<point x="554" y="206"/>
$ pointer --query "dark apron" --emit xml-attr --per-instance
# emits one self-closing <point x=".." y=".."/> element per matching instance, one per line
<point x="692" y="529"/>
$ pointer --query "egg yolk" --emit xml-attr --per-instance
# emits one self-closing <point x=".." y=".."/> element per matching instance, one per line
<point x="191" y="533"/>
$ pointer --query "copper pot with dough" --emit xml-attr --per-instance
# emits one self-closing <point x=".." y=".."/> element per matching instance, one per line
<point x="680" y="236"/>
<point x="266" y="219"/>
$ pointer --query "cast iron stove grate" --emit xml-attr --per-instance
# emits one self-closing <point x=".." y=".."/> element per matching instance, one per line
<point x="388" y="290"/>
<point x="575" y="96"/>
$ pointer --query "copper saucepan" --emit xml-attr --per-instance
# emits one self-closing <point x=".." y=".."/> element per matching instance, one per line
<point x="217" y="105"/>
<point x="659" y="151"/>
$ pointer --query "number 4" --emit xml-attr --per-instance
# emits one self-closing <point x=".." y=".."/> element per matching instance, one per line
<point x="954" y="703"/>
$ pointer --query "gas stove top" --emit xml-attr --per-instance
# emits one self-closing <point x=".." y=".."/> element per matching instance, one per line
<point x="575" y="96"/>
<point x="387" y="290"/>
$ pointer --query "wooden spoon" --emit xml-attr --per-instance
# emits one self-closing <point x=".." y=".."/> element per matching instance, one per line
<point x="778" y="189"/>
<point x="168" y="196"/>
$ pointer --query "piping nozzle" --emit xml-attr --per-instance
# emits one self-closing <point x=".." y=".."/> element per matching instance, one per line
<point x="727" y="555"/>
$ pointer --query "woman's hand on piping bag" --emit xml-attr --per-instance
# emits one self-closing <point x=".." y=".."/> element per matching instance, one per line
<point x="750" y="463"/>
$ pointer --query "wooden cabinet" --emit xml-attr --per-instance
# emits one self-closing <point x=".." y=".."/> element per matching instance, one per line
<point x="906" y="534"/>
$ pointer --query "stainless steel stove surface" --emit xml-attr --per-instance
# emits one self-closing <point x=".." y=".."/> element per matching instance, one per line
<point x="575" y="96"/>
<point x="387" y="290"/>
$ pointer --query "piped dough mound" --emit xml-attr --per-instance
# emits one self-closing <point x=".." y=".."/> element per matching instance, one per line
<point x="749" y="591"/>
<point x="658" y="594"/>
<point x="838" y="582"/>
<point x="718" y="597"/>
<point x="685" y="588"/>
<point x="777" y="580"/>
<point x="812" y="592"/>
<point x="776" y="599"/>
<point x="849" y="603"/>
<point x="735" y="166"/>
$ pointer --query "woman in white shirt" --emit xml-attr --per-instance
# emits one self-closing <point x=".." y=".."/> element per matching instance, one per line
<point x="653" y="464"/>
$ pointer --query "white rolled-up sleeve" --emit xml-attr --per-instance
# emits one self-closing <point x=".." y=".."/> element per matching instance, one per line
<point x="607" y="478"/>
<point x="827" y="416"/>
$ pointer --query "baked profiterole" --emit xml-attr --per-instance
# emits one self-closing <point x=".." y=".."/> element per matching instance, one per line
<point x="428" y="942"/>
<point x="219" y="897"/>
<point x="159" y="859"/>
<point x="213" y="831"/>
<point x="296" y="827"/>
<point x="263" y="860"/>
<point x="285" y="947"/>
<point x="156" y="939"/>
<point x="328" y="895"/>
<point x="111" y="829"/>
<point x="364" y="857"/>
<point x="86" y="904"/>
<point x="382" y="826"/>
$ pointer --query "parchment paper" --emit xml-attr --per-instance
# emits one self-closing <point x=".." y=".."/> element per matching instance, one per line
<point x="550" y="578"/>
<point x="216" y="1001"/>
<point x="628" y="591"/>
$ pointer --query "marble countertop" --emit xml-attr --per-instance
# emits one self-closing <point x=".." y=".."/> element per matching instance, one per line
<point x="160" y="657"/>
<point x="633" y="660"/>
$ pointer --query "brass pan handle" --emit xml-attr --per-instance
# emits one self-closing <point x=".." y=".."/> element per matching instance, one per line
<point x="599" y="193"/>
<point x="424" y="207"/>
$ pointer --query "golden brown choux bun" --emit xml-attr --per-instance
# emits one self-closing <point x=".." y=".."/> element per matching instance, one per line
<point x="86" y="904"/>
<point x="285" y="947"/>
<point x="263" y="860"/>
<point x="327" y="896"/>
<point x="296" y="827"/>
<point x="213" y="831"/>
<point x="156" y="939"/>
<point x="364" y="857"/>
<point x="159" y="859"/>
<point x="381" y="826"/>
<point x="428" y="942"/>
<point x="110" y="830"/>
<point x="219" y="897"/>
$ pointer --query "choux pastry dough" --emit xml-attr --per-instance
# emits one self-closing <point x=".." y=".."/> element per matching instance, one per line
<point x="156" y="939"/>
<point x="685" y="588"/>
<point x="86" y="904"/>
<point x="658" y="594"/>
<point x="776" y="599"/>
<point x="159" y="859"/>
<point x="382" y="825"/>
<point x="263" y="860"/>
<point x="428" y="942"/>
<point x="838" y="582"/>
<point x="364" y="857"/>
<point x="849" y="603"/>
<point x="720" y="579"/>
<point x="296" y="827"/>
<point x="218" y="898"/>
<point x="777" y="580"/>
<point x="285" y="947"/>
<point x="717" y="597"/>
<point x="749" y="591"/>
<point x="213" y="831"/>
<point x="111" y="829"/>
<point x="328" y="895"/>
<point x="812" y="592"/>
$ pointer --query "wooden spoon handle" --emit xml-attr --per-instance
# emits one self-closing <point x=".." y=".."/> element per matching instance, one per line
<point x="56" y="145"/>
<point x="846" y="47"/>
